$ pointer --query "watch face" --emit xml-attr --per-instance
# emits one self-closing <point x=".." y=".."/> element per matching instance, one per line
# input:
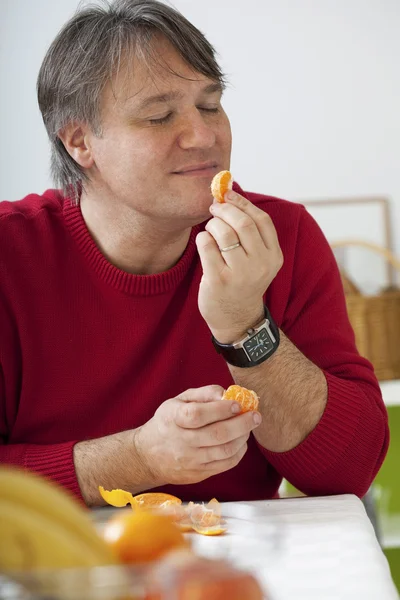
<point x="258" y="345"/>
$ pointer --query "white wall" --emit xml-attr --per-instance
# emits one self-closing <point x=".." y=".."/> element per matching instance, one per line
<point x="314" y="101"/>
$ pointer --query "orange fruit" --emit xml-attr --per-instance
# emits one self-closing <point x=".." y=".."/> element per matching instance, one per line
<point x="195" y="578"/>
<point x="226" y="585"/>
<point x="221" y="183"/>
<point x="142" y="536"/>
<point x="247" y="399"/>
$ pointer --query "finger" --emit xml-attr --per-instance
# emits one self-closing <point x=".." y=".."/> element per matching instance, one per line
<point x="196" y="415"/>
<point x="222" y="233"/>
<point x="210" y="256"/>
<point x="219" y="466"/>
<point x="243" y="226"/>
<point x="206" y="393"/>
<point x="225" y="236"/>
<point x="221" y="432"/>
<point x="260" y="218"/>
<point x="222" y="451"/>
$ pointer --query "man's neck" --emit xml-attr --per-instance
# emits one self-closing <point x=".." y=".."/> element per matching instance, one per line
<point x="131" y="241"/>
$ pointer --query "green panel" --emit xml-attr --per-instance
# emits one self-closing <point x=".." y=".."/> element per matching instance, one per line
<point x="288" y="490"/>
<point x="393" y="556"/>
<point x="387" y="482"/>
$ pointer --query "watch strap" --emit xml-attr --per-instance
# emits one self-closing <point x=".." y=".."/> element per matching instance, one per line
<point x="238" y="357"/>
<point x="234" y="356"/>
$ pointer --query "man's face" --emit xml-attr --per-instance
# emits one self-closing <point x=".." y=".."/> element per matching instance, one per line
<point x="163" y="139"/>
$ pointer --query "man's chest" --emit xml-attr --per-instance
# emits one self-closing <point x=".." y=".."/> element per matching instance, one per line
<point x="90" y="367"/>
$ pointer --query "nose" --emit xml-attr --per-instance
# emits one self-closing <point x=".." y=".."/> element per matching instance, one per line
<point x="196" y="133"/>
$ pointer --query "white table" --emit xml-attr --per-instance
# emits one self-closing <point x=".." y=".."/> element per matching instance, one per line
<point x="301" y="548"/>
<point x="391" y="392"/>
<point x="313" y="548"/>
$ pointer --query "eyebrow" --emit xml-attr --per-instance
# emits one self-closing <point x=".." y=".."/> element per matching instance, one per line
<point x="170" y="96"/>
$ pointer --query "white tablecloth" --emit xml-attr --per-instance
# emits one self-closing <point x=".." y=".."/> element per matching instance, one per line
<point x="306" y="548"/>
<point x="303" y="548"/>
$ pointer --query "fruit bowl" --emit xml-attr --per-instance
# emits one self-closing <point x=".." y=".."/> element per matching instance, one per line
<point x="252" y="542"/>
<point x="114" y="582"/>
<point x="177" y="578"/>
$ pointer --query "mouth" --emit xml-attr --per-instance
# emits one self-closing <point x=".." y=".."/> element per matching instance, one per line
<point x="202" y="169"/>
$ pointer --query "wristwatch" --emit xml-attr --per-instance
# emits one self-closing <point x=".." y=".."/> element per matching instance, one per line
<point x="255" y="347"/>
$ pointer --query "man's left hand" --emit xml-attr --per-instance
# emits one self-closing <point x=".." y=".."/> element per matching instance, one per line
<point x="234" y="281"/>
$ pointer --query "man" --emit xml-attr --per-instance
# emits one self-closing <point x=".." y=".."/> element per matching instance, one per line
<point x="122" y="297"/>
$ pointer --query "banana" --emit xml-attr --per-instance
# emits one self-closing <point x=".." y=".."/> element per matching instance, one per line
<point x="42" y="526"/>
<point x="29" y="540"/>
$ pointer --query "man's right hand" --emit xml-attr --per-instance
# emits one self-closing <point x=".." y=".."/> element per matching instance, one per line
<point x="190" y="438"/>
<point x="194" y="436"/>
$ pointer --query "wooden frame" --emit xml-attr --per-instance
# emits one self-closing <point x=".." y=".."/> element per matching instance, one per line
<point x="380" y="200"/>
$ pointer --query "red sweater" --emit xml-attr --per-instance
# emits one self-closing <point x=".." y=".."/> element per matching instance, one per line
<point x="88" y="350"/>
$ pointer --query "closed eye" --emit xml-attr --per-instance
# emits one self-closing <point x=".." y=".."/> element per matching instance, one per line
<point x="168" y="117"/>
<point x="161" y="120"/>
<point x="209" y="110"/>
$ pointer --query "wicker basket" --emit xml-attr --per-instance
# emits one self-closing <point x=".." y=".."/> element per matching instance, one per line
<point x="375" y="319"/>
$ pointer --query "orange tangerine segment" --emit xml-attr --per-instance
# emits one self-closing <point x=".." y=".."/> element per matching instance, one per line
<point x="221" y="183"/>
<point x="117" y="497"/>
<point x="247" y="399"/>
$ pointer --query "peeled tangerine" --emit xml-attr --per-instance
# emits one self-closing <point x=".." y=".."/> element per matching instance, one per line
<point x="221" y="183"/>
<point x="247" y="399"/>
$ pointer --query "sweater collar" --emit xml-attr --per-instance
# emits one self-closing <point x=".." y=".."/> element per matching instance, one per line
<point x="144" y="285"/>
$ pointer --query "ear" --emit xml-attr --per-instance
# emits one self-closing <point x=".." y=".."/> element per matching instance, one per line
<point x="76" y="139"/>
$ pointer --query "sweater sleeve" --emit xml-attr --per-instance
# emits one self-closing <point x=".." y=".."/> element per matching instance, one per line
<point x="346" y="449"/>
<point x="54" y="461"/>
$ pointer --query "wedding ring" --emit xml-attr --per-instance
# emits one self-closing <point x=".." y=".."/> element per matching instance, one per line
<point x="230" y="247"/>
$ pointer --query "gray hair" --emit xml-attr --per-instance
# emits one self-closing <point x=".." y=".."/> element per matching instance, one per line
<point x="88" y="52"/>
